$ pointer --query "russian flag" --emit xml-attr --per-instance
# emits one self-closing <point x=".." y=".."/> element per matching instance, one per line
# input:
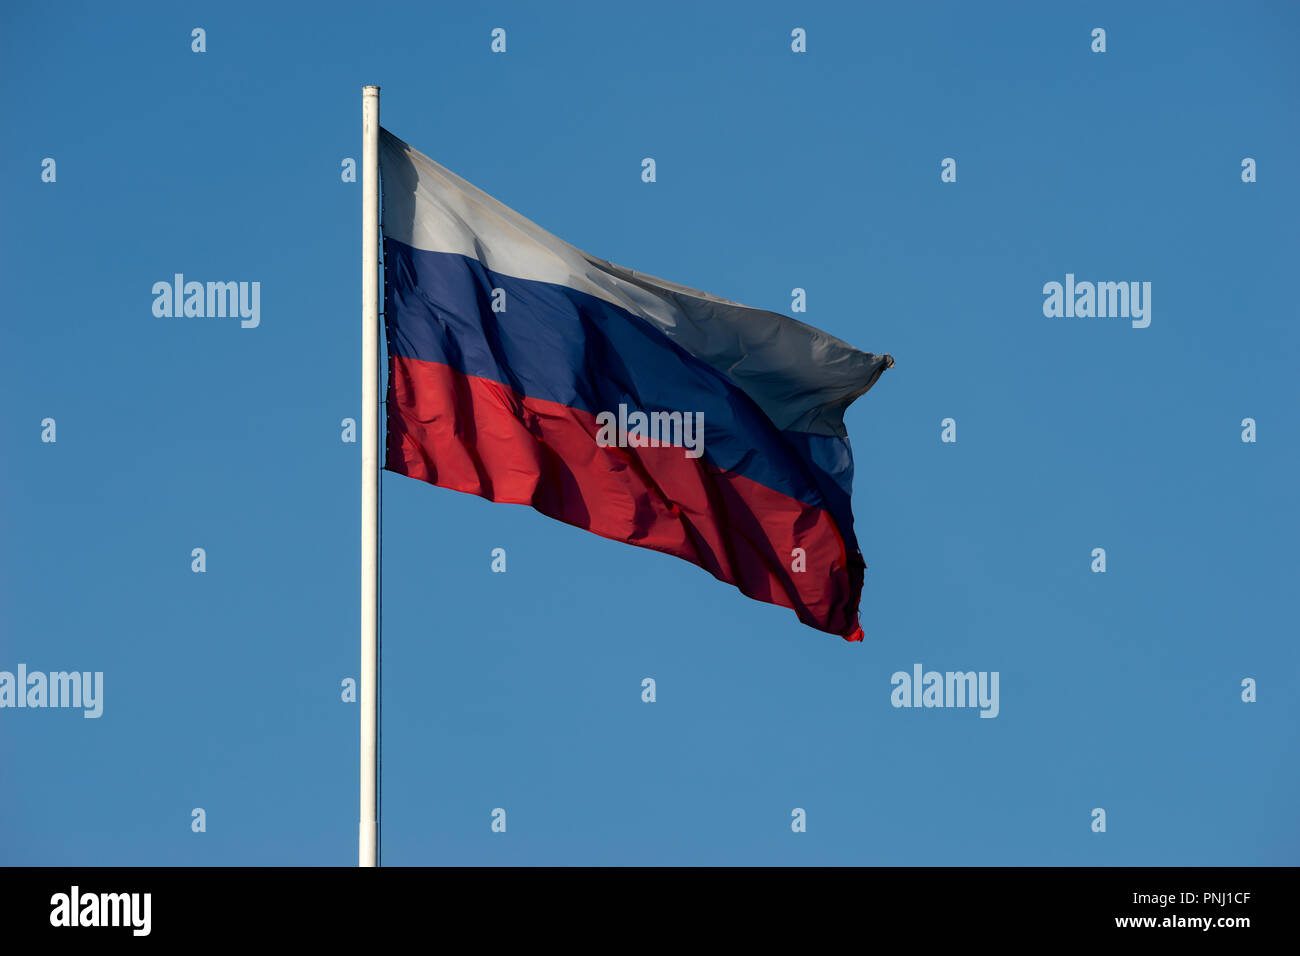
<point x="523" y="370"/>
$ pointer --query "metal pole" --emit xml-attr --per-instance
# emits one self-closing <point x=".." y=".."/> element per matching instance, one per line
<point x="369" y="833"/>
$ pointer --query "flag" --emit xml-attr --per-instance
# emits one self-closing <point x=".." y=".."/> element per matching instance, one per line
<point x="521" y="369"/>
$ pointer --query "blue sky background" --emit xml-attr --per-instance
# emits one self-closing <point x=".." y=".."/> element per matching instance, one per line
<point x="222" y="690"/>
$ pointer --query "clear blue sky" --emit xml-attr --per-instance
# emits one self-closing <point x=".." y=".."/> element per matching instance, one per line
<point x="522" y="690"/>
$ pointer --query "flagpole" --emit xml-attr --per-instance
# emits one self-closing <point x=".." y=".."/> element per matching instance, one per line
<point x="368" y="843"/>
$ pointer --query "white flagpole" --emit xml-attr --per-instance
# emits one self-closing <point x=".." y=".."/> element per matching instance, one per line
<point x="369" y="834"/>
